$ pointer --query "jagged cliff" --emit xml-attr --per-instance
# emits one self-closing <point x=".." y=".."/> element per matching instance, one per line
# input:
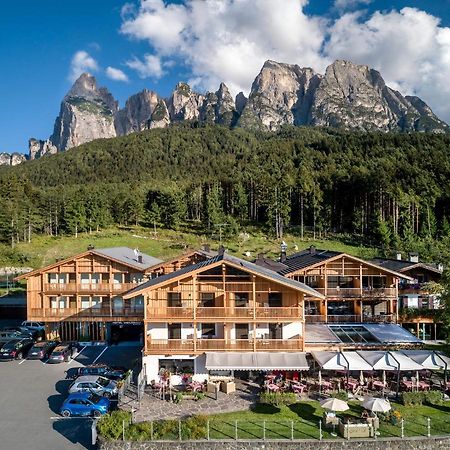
<point x="11" y="159"/>
<point x="348" y="96"/>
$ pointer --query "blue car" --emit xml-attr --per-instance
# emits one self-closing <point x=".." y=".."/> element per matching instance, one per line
<point x="84" y="404"/>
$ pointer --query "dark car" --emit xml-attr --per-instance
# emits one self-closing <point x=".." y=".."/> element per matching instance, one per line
<point x="112" y="373"/>
<point x="16" y="349"/>
<point x="25" y="332"/>
<point x="61" y="353"/>
<point x="42" y="349"/>
<point x="8" y="335"/>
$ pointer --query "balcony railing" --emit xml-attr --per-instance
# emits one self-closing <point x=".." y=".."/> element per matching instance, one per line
<point x="60" y="288"/>
<point x="366" y="293"/>
<point x="351" y="318"/>
<point x="223" y="313"/>
<point x="74" y="313"/>
<point x="203" y="345"/>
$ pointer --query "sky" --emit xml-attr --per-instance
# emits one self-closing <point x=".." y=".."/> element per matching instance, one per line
<point x="132" y="45"/>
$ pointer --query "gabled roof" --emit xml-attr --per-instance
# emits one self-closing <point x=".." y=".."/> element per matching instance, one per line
<point x="201" y="252"/>
<point x="308" y="260"/>
<point x="228" y="260"/>
<point x="401" y="265"/>
<point x="122" y="255"/>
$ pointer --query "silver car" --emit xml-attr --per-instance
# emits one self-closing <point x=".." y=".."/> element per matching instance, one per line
<point x="94" y="383"/>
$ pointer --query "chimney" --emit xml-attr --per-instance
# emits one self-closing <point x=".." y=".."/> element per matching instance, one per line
<point x="398" y="256"/>
<point x="312" y="250"/>
<point x="140" y="259"/>
<point x="283" y="251"/>
<point x="206" y="248"/>
<point x="414" y="257"/>
<point x="260" y="257"/>
<point x="90" y="247"/>
<point x="221" y="250"/>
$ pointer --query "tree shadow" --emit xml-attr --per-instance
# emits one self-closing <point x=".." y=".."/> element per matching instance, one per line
<point x="76" y="430"/>
<point x="264" y="408"/>
<point x="305" y="411"/>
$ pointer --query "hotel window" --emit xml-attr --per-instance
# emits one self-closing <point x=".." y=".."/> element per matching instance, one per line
<point x="174" y="299"/>
<point x="241" y="330"/>
<point x="174" y="330"/>
<point x="241" y="299"/>
<point x="85" y="302"/>
<point x="275" y="300"/>
<point x="207" y="299"/>
<point x="208" y="330"/>
<point x="96" y="302"/>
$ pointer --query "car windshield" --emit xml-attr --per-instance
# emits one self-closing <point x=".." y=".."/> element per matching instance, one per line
<point x="56" y="353"/>
<point x="103" y="382"/>
<point x="94" y="398"/>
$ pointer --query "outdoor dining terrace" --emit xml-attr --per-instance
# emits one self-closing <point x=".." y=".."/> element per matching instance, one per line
<point x="351" y="318"/>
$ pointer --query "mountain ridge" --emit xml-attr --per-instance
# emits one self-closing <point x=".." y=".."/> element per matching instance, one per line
<point x="346" y="96"/>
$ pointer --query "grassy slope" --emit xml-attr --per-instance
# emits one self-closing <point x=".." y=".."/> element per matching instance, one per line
<point x="44" y="250"/>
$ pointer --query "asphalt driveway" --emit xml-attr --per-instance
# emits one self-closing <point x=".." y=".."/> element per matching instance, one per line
<point x="32" y="392"/>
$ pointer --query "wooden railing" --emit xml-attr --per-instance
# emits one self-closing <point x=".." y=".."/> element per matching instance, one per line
<point x="57" y="288"/>
<point x="165" y="346"/>
<point x="357" y="292"/>
<point x="224" y="313"/>
<point x="74" y="313"/>
<point x="353" y="318"/>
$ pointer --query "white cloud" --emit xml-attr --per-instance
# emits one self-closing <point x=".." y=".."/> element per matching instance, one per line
<point x="349" y="4"/>
<point x="150" y="67"/>
<point x="229" y="40"/>
<point x="81" y="62"/>
<point x="116" y="74"/>
<point x="408" y="47"/>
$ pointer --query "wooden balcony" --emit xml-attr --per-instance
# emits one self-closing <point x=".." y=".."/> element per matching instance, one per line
<point x="87" y="288"/>
<point x="364" y="293"/>
<point x="377" y="318"/>
<point x="189" y="346"/>
<point x="225" y="313"/>
<point x="94" y="314"/>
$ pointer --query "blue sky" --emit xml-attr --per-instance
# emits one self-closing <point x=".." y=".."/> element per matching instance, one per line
<point x="156" y="43"/>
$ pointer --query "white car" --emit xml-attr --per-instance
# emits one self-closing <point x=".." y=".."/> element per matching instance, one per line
<point x="34" y="326"/>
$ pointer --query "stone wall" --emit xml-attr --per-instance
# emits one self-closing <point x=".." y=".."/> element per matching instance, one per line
<point x="379" y="444"/>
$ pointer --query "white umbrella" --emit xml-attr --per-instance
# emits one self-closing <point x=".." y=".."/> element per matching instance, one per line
<point x="376" y="404"/>
<point x="334" y="404"/>
<point x="361" y="378"/>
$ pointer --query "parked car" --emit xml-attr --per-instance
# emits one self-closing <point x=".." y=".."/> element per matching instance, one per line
<point x="21" y="330"/>
<point x="16" y="349"/>
<point x="94" y="383"/>
<point x="38" y="326"/>
<point x="112" y="373"/>
<point x="61" y="353"/>
<point x="84" y="404"/>
<point x="42" y="349"/>
<point x="6" y="336"/>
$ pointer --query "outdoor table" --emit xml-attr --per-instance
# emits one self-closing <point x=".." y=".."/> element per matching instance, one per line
<point x="298" y="388"/>
<point x="408" y="385"/>
<point x="423" y="386"/>
<point x="352" y="384"/>
<point x="447" y="386"/>
<point x="273" y="387"/>
<point x="378" y="384"/>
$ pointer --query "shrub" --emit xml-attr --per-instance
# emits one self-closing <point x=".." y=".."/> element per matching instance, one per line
<point x="194" y="427"/>
<point x="199" y="396"/>
<point x="278" y="398"/>
<point x="178" y="397"/>
<point x="413" y="398"/>
<point x="139" y="432"/>
<point x="165" y="429"/>
<point x="110" y="426"/>
<point x="434" y="398"/>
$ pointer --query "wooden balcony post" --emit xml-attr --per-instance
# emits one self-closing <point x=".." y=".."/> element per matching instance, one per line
<point x="360" y="280"/>
<point x="195" y="295"/>
<point x="254" y="295"/>
<point x="326" y="279"/>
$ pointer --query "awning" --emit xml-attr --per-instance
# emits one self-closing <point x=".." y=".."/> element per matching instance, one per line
<point x="256" y="361"/>
<point x="428" y="359"/>
<point x="341" y="361"/>
<point x="391" y="361"/>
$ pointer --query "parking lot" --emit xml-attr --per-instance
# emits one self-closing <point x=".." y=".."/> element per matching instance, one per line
<point x="32" y="392"/>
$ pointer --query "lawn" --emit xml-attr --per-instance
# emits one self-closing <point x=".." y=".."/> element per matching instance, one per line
<point x="43" y="250"/>
<point x="301" y="421"/>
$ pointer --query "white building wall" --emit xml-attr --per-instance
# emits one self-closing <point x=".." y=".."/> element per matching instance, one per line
<point x="200" y="373"/>
<point x="291" y="330"/>
<point x="262" y="330"/>
<point x="157" y="331"/>
<point x="151" y="366"/>
<point x="187" y="331"/>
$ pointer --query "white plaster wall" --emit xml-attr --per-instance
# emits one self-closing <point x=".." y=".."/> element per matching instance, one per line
<point x="187" y="331"/>
<point x="200" y="372"/>
<point x="151" y="365"/>
<point x="158" y="331"/>
<point x="289" y="330"/>
<point x="261" y="330"/>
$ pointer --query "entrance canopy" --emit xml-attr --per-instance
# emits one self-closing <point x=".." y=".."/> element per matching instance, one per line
<point x="341" y="361"/>
<point x="256" y="361"/>
<point x="428" y="359"/>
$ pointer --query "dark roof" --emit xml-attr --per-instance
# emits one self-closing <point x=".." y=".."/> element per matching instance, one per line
<point x="401" y="265"/>
<point x="306" y="258"/>
<point x="233" y="260"/>
<point x="128" y="256"/>
<point x="270" y="264"/>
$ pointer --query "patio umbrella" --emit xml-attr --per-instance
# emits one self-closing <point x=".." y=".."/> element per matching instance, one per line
<point x="376" y="404"/>
<point x="384" y="377"/>
<point x="361" y="378"/>
<point x="334" y="404"/>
